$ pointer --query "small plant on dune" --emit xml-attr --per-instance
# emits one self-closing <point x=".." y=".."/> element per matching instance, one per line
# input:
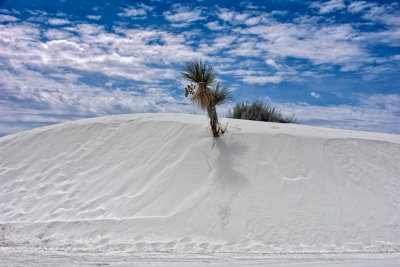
<point x="259" y="111"/>
<point x="205" y="91"/>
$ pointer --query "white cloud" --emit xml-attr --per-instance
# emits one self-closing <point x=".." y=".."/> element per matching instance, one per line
<point x="136" y="12"/>
<point x="282" y="69"/>
<point x="214" y="26"/>
<point x="315" y="95"/>
<point x="49" y="66"/>
<point x="248" y="5"/>
<point x="115" y="54"/>
<point x="57" y="34"/>
<point x="58" y="22"/>
<point x="372" y="113"/>
<point x="255" y="18"/>
<point x="94" y="17"/>
<point x="386" y="14"/>
<point x="7" y="18"/>
<point x="224" y="69"/>
<point x="37" y="12"/>
<point x="226" y="14"/>
<point x="358" y="6"/>
<point x="261" y="79"/>
<point x="9" y="11"/>
<point x="374" y="72"/>
<point x="129" y="54"/>
<point x="329" y="6"/>
<point x="321" y="44"/>
<point x="44" y="100"/>
<point x="223" y="41"/>
<point x="272" y="63"/>
<point x="232" y="17"/>
<point x="47" y="76"/>
<point x="245" y="48"/>
<point x="183" y="15"/>
<point x="62" y="46"/>
<point x="252" y="21"/>
<point x="133" y="12"/>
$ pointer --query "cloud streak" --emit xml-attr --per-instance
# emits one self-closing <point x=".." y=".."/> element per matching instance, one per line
<point x="369" y="113"/>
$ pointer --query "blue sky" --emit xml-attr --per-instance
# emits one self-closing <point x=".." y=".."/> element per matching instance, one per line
<point x="331" y="63"/>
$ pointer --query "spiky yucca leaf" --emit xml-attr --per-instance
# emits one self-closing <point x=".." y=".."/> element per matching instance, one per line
<point x="221" y="95"/>
<point x="198" y="72"/>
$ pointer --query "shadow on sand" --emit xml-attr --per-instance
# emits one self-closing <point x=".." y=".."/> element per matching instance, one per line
<point x="229" y="181"/>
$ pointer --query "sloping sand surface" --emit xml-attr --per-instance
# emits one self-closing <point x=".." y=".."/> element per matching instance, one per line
<point x="161" y="183"/>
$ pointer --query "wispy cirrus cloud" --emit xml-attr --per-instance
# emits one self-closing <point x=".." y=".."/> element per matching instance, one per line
<point x="369" y="113"/>
<point x="358" y="6"/>
<point x="94" y="17"/>
<point x="321" y="42"/>
<point x="317" y="43"/>
<point x="232" y="16"/>
<point x="29" y="98"/>
<point x="139" y="11"/>
<point x="315" y="95"/>
<point x="182" y="16"/>
<point x="214" y="25"/>
<point x="387" y="14"/>
<point x="262" y="79"/>
<point x="7" y="18"/>
<point x="49" y="75"/>
<point x="58" y="21"/>
<point x="328" y="6"/>
<point x="90" y="48"/>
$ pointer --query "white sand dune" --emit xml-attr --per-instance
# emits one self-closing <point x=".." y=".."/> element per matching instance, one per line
<point x="159" y="183"/>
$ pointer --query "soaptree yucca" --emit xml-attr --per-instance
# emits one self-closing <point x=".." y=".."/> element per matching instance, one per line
<point x="205" y="91"/>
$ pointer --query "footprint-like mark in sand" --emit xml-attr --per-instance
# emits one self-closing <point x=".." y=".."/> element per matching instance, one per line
<point x="66" y="187"/>
<point x="216" y="247"/>
<point x="186" y="240"/>
<point x="45" y="190"/>
<point x="189" y="246"/>
<point x="104" y="241"/>
<point x="224" y="214"/>
<point x="60" y="179"/>
<point x="155" y="244"/>
<point x="15" y="186"/>
<point x="140" y="245"/>
<point x="289" y="153"/>
<point x="365" y="162"/>
<point x="230" y="244"/>
<point x="171" y="244"/>
<point x="204" y="245"/>
<point x="138" y="238"/>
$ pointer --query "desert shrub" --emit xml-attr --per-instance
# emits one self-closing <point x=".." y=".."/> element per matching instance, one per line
<point x="259" y="111"/>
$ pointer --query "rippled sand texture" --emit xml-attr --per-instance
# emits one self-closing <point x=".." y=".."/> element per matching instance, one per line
<point x="160" y="182"/>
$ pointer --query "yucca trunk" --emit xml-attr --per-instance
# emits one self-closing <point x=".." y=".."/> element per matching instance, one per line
<point x="212" y="114"/>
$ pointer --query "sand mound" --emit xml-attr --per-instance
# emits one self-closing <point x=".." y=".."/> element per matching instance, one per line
<point x="159" y="182"/>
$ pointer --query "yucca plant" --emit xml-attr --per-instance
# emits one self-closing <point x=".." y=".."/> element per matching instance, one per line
<point x="205" y="91"/>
